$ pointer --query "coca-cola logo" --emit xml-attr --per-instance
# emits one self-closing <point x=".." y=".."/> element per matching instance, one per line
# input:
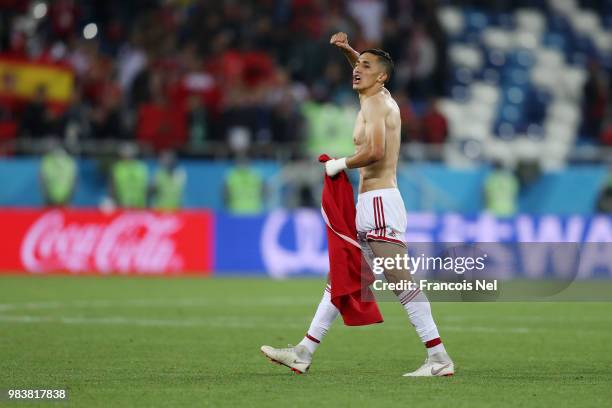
<point x="130" y="242"/>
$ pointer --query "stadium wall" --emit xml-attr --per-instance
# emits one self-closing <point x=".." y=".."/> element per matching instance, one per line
<point x="424" y="187"/>
<point x="279" y="244"/>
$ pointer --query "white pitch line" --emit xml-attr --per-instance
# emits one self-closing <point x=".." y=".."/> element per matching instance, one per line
<point x="120" y="320"/>
<point x="159" y="303"/>
<point x="526" y="319"/>
<point x="217" y="322"/>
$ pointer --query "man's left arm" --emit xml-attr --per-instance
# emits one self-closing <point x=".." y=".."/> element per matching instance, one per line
<point x="373" y="149"/>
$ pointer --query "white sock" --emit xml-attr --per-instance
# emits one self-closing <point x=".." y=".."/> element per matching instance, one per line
<point x="418" y="308"/>
<point x="321" y="322"/>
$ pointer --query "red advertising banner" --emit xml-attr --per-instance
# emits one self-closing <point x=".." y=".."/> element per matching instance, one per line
<point x="92" y="242"/>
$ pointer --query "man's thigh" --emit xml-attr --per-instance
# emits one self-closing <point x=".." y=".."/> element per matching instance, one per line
<point x="397" y="272"/>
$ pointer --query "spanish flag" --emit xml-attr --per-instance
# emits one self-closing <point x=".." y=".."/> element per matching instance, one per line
<point x="22" y="78"/>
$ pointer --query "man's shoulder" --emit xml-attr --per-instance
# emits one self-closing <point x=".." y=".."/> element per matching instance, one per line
<point x="375" y="102"/>
<point x="379" y="104"/>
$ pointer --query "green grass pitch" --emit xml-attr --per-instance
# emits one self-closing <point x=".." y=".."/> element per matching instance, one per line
<point x="119" y="341"/>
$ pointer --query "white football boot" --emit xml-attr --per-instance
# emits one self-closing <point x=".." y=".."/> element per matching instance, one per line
<point x="437" y="365"/>
<point x="297" y="358"/>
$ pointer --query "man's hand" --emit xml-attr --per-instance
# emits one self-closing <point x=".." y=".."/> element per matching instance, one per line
<point x="335" y="166"/>
<point x="340" y="40"/>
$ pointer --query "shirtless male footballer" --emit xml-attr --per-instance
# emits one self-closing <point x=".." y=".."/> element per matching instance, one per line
<point x="381" y="215"/>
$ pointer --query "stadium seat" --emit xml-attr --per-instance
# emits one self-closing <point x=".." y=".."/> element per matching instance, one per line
<point x="555" y="157"/>
<point x="572" y="81"/>
<point x="526" y="148"/>
<point x="452" y="20"/>
<point x="468" y="56"/>
<point x="554" y="40"/>
<point x="565" y="113"/>
<point x="475" y="21"/>
<point x="535" y="131"/>
<point x="549" y="58"/>
<point x="585" y="22"/>
<point x="522" y="58"/>
<point x="505" y="130"/>
<point x="453" y="113"/>
<point x="485" y="93"/>
<point x="514" y="95"/>
<point x="522" y="76"/>
<point x="544" y="78"/>
<point x="603" y="41"/>
<point x="565" y="7"/>
<point x="497" y="39"/>
<point x="475" y="131"/>
<point x="526" y="40"/>
<point x="530" y="20"/>
<point x="559" y="132"/>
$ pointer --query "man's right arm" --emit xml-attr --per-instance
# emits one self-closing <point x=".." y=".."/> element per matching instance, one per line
<point x="340" y="40"/>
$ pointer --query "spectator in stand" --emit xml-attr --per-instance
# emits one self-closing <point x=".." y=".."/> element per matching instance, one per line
<point x="9" y="9"/>
<point x="129" y="179"/>
<point x="370" y="14"/>
<point x="77" y="120"/>
<point x="197" y="122"/>
<point x="131" y="60"/>
<point x="38" y="119"/>
<point x="63" y="18"/>
<point x="606" y="134"/>
<point x="428" y="9"/>
<point x="410" y="121"/>
<point x="168" y="183"/>
<point x="160" y="124"/>
<point x="333" y="86"/>
<point x="10" y="109"/>
<point x="284" y="98"/>
<point x="434" y="126"/>
<point x="105" y="117"/>
<point x="596" y="97"/>
<point x="57" y="176"/>
<point x="422" y="57"/>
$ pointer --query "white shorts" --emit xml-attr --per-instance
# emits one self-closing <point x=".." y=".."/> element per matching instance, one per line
<point x="381" y="216"/>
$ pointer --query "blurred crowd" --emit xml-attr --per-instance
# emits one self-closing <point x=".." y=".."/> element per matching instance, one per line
<point x="193" y="74"/>
<point x="242" y="77"/>
<point x="189" y="73"/>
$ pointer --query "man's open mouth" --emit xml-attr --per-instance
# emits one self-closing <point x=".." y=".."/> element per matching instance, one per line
<point x="356" y="78"/>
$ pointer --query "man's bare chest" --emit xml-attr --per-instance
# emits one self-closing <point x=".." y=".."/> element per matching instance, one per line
<point x="359" y="130"/>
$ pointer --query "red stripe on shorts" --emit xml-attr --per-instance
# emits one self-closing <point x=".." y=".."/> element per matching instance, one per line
<point x="382" y="211"/>
<point x="375" y="214"/>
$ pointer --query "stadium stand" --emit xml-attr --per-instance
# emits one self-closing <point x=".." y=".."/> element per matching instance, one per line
<point x="522" y="83"/>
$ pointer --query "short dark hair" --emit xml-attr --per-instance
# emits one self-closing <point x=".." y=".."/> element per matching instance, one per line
<point x="384" y="58"/>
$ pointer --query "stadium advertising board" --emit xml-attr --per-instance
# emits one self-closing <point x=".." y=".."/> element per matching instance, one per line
<point x="88" y="241"/>
<point x="285" y="243"/>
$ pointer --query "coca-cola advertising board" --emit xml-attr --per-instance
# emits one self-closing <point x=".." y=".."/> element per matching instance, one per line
<point x="89" y="241"/>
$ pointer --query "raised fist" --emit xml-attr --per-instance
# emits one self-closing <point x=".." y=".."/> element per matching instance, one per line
<point x="340" y="40"/>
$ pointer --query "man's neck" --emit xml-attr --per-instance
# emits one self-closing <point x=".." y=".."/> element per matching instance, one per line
<point x="366" y="93"/>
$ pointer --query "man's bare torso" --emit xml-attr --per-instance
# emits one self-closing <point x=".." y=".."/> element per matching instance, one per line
<point x="381" y="174"/>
